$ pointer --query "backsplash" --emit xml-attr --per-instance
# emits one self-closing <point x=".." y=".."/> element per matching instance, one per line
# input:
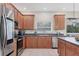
<point x="40" y="16"/>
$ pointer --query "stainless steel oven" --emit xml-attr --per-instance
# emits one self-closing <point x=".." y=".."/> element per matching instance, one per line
<point x="20" y="42"/>
<point x="19" y="46"/>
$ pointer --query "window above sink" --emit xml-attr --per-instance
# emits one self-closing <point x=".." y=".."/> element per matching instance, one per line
<point x="43" y="26"/>
<point x="73" y="26"/>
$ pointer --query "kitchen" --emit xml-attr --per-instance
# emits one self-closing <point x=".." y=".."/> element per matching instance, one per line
<point x="38" y="28"/>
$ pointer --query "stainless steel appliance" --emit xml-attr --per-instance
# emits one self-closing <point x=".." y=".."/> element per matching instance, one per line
<point x="1" y="47"/>
<point x="7" y="31"/>
<point x="20" y="42"/>
<point x="54" y="42"/>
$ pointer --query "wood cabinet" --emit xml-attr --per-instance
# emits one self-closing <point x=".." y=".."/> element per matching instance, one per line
<point x="59" y="22"/>
<point x="44" y="42"/>
<point x="24" y="42"/>
<point x="31" y="42"/>
<point x="61" y="47"/>
<point x="71" y="50"/>
<point x="35" y="42"/>
<point x="38" y="42"/>
<point x="16" y="15"/>
<point x="22" y="22"/>
<point x="19" y="19"/>
<point x="77" y="50"/>
<point x="29" y="22"/>
<point x="67" y="49"/>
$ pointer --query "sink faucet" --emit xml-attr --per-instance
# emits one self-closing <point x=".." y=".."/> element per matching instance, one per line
<point x="35" y="31"/>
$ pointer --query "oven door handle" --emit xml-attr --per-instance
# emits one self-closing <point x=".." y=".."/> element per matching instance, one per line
<point x="20" y="39"/>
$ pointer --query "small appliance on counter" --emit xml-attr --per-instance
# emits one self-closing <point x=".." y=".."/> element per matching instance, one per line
<point x="77" y="37"/>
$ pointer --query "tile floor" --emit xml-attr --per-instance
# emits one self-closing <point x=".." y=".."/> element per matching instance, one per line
<point x="40" y="52"/>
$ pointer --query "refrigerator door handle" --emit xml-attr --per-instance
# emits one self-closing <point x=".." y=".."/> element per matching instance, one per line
<point x="4" y="30"/>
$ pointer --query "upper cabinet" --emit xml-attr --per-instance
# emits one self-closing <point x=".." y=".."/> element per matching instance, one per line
<point x="19" y="19"/>
<point x="59" y="22"/>
<point x="15" y="15"/>
<point x="29" y="22"/>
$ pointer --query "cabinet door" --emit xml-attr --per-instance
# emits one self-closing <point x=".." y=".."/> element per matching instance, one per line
<point x="16" y="15"/>
<point x="22" y="21"/>
<point x="18" y="20"/>
<point x="41" y="42"/>
<point x="62" y="21"/>
<point x="29" y="22"/>
<point x="59" y="22"/>
<point x="29" y="42"/>
<point x="70" y="49"/>
<point x="77" y="50"/>
<point x="56" y="24"/>
<point x="44" y="42"/>
<point x="61" y="47"/>
<point x="35" y="43"/>
<point x="48" y="42"/>
<point x="24" y="42"/>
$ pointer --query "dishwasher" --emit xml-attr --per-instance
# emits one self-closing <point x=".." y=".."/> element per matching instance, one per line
<point x="54" y="42"/>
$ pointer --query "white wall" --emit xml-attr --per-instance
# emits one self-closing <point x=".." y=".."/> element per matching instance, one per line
<point x="48" y="16"/>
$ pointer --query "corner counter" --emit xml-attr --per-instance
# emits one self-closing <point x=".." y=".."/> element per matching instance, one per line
<point x="70" y="40"/>
<point x="68" y="46"/>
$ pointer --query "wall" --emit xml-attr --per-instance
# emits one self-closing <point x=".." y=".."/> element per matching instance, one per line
<point x="48" y="16"/>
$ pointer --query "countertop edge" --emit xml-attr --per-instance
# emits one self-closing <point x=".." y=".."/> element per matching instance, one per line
<point x="69" y="41"/>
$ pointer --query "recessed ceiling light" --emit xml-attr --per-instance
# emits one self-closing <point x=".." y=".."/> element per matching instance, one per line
<point x="25" y="8"/>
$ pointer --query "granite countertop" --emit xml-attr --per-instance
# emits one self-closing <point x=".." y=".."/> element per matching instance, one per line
<point x="48" y="34"/>
<point x="70" y="39"/>
<point x="39" y="35"/>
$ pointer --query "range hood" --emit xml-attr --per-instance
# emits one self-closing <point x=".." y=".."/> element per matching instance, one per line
<point x="73" y="18"/>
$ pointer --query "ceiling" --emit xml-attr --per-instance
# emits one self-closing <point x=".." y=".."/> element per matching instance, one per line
<point x="36" y="7"/>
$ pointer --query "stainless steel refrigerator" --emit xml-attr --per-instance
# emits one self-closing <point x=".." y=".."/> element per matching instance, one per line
<point x="6" y="31"/>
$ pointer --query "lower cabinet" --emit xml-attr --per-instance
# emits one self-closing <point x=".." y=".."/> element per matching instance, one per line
<point x="24" y="42"/>
<point x="61" y="47"/>
<point x="38" y="41"/>
<point x="71" y="50"/>
<point x="44" y="42"/>
<point x="67" y="49"/>
<point x="34" y="42"/>
<point x="30" y="42"/>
